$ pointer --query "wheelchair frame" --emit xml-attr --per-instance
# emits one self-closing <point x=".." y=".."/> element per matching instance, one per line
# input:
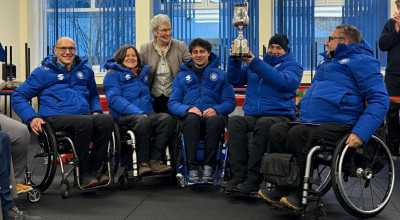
<point x="123" y="179"/>
<point x="182" y="177"/>
<point x="339" y="176"/>
<point x="51" y="144"/>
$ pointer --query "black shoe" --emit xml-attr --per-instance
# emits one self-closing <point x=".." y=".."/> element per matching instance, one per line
<point x="232" y="183"/>
<point x="292" y="200"/>
<point x="15" y="214"/>
<point x="248" y="186"/>
<point x="88" y="180"/>
<point x="273" y="196"/>
<point x="102" y="178"/>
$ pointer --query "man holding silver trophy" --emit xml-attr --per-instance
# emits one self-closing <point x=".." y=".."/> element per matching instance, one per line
<point x="270" y="98"/>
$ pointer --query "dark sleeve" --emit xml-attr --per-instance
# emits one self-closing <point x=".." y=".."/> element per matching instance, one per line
<point x="389" y="36"/>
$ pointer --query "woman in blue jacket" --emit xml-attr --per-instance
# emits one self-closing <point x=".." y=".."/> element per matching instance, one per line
<point x="202" y="98"/>
<point x="129" y="100"/>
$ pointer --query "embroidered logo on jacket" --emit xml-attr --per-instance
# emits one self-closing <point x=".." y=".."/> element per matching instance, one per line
<point x="213" y="77"/>
<point x="188" y="79"/>
<point x="277" y="65"/>
<point x="146" y="79"/>
<point x="127" y="77"/>
<point x="60" y="76"/>
<point x="79" y="74"/>
<point x="343" y="61"/>
<point x="46" y="68"/>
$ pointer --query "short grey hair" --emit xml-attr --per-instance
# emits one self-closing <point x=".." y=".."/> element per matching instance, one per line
<point x="351" y="32"/>
<point x="158" y="20"/>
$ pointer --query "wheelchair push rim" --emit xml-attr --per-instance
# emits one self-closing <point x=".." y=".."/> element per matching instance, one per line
<point x="363" y="191"/>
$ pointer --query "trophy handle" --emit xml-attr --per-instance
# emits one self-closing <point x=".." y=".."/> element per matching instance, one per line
<point x="247" y="5"/>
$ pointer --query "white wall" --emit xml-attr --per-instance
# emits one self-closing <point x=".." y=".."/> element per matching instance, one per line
<point x="20" y="24"/>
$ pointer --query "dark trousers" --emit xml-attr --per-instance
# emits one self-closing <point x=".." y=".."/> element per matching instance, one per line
<point x="392" y="82"/>
<point x="160" y="104"/>
<point x="152" y="134"/>
<point x="245" y="162"/>
<point x="85" y="129"/>
<point x="5" y="166"/>
<point x="296" y="139"/>
<point x="213" y="128"/>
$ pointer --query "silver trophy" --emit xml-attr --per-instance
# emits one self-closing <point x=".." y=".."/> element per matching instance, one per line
<point x="240" y="21"/>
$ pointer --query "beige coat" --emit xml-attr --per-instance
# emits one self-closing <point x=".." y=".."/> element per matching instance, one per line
<point x="177" y="54"/>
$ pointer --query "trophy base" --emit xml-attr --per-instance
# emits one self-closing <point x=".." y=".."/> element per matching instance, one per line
<point x="240" y="55"/>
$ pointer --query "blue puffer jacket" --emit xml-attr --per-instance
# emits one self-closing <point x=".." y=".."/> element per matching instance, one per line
<point x="60" y="92"/>
<point x="271" y="84"/>
<point x="212" y="91"/>
<point x="341" y="87"/>
<point x="127" y="94"/>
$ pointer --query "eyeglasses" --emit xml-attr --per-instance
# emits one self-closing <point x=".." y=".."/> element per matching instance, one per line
<point x="64" y="49"/>
<point x="330" y="38"/>
<point x="396" y="2"/>
<point x="165" y="30"/>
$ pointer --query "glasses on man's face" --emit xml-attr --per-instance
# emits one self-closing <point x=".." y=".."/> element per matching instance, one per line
<point x="64" y="49"/>
<point x="331" y="38"/>
<point x="396" y="2"/>
<point x="165" y="30"/>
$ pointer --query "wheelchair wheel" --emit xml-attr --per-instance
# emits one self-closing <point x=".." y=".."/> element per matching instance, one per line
<point x="113" y="154"/>
<point x="322" y="173"/>
<point x="43" y="163"/>
<point x="363" y="177"/>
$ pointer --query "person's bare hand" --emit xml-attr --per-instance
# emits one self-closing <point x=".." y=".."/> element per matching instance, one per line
<point x="95" y="113"/>
<point x="145" y="115"/>
<point x="36" y="125"/>
<point x="354" y="140"/>
<point x="195" y="110"/>
<point x="247" y="60"/>
<point x="209" y="112"/>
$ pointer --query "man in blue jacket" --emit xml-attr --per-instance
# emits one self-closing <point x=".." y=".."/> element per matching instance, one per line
<point x="270" y="98"/>
<point x="347" y="78"/>
<point x="69" y="100"/>
<point x="390" y="41"/>
<point x="202" y="98"/>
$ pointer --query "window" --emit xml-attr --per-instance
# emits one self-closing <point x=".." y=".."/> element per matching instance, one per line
<point x="308" y="23"/>
<point x="98" y="27"/>
<point x="210" y="20"/>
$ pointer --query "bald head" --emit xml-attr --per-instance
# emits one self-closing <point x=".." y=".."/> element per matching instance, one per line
<point x="64" y="39"/>
<point x="65" y="50"/>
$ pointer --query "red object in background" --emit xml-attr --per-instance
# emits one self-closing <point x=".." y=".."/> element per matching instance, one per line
<point x="103" y="103"/>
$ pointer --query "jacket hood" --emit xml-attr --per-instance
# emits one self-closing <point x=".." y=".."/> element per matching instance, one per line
<point x="112" y="64"/>
<point x="213" y="62"/>
<point x="274" y="60"/>
<point x="343" y="50"/>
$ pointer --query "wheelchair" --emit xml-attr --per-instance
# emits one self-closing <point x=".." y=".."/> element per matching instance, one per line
<point x="182" y="163"/>
<point x="362" y="178"/>
<point x="50" y="151"/>
<point x="130" y="163"/>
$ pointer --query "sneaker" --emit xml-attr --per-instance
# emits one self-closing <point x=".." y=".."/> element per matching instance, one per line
<point x="144" y="168"/>
<point x="102" y="178"/>
<point x="15" y="214"/>
<point x="208" y="176"/>
<point x="273" y="196"/>
<point x="88" y="180"/>
<point x="157" y="166"/>
<point x="248" y="186"/>
<point x="21" y="188"/>
<point x="292" y="200"/>
<point x="193" y="177"/>
<point x="232" y="183"/>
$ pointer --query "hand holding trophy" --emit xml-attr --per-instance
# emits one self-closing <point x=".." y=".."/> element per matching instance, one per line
<point x="240" y="21"/>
